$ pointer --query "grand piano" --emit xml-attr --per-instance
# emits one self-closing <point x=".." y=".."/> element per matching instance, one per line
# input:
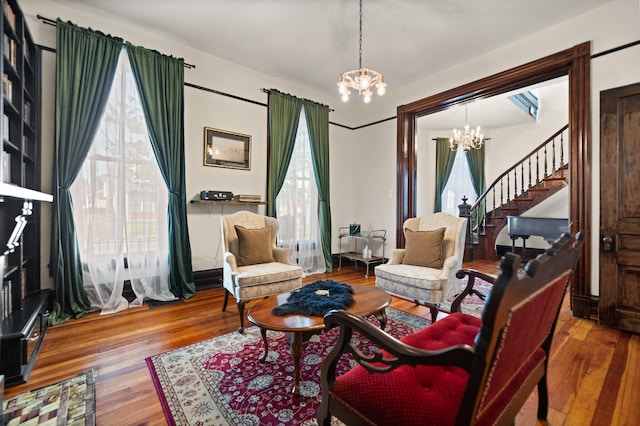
<point x="524" y="227"/>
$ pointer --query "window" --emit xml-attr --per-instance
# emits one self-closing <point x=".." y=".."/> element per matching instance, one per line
<point x="120" y="205"/>
<point x="458" y="185"/>
<point x="297" y="206"/>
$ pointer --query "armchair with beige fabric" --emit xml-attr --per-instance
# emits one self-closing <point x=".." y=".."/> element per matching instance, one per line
<point x="253" y="266"/>
<point x="425" y="270"/>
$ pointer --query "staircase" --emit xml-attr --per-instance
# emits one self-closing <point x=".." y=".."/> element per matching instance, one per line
<point x="534" y="178"/>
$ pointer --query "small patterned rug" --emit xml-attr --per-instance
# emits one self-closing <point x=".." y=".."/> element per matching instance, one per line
<point x="70" y="402"/>
<point x="221" y="381"/>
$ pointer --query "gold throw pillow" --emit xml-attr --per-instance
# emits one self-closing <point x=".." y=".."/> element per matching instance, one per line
<point x="424" y="248"/>
<point x="254" y="245"/>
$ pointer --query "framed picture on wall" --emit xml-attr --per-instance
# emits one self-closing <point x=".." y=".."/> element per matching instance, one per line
<point x="227" y="149"/>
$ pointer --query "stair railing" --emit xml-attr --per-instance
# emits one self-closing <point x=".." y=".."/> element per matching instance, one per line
<point x="505" y="188"/>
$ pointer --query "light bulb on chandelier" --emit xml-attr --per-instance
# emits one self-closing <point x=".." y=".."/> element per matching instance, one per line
<point x="469" y="139"/>
<point x="361" y="79"/>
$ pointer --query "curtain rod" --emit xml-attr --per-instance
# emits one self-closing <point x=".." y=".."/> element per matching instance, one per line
<point x="276" y="90"/>
<point x="444" y="137"/>
<point x="52" y="22"/>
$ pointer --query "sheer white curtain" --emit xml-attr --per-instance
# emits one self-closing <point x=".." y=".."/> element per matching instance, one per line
<point x="458" y="185"/>
<point x="120" y="206"/>
<point x="297" y="207"/>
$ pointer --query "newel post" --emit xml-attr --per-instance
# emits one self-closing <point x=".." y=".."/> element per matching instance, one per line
<point x="465" y="211"/>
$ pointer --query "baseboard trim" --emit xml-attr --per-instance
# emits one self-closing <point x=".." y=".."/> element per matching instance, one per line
<point x="209" y="278"/>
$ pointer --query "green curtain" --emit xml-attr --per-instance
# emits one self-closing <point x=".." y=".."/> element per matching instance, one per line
<point x="85" y="66"/>
<point x="445" y="158"/>
<point x="318" y="124"/>
<point x="283" y="117"/>
<point x="475" y="160"/>
<point x="160" y="83"/>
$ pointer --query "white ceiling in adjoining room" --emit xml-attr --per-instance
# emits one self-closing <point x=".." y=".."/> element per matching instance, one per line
<point x="495" y="112"/>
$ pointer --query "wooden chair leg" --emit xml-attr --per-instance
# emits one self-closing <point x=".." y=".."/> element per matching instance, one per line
<point x="434" y="311"/>
<point x="241" y="312"/>
<point x="543" y="399"/>
<point x="226" y="300"/>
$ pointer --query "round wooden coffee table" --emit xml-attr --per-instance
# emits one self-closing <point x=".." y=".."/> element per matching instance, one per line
<point x="369" y="300"/>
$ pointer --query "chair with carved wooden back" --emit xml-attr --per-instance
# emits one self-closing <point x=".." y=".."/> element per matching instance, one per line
<point x="461" y="370"/>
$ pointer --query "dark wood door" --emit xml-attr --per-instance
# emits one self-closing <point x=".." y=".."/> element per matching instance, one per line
<point x="619" y="304"/>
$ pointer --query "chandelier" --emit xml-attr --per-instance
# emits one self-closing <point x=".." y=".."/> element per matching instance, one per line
<point x="469" y="139"/>
<point x="362" y="79"/>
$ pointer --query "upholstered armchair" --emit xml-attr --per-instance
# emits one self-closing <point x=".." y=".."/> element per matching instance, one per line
<point x="253" y="266"/>
<point x="425" y="270"/>
<point x="460" y="370"/>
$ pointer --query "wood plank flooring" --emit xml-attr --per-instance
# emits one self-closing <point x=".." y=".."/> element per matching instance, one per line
<point x="594" y="372"/>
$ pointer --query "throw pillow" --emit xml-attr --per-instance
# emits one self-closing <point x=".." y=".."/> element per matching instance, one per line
<point x="254" y="245"/>
<point x="424" y="248"/>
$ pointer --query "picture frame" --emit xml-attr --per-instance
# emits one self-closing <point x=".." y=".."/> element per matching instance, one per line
<point x="227" y="149"/>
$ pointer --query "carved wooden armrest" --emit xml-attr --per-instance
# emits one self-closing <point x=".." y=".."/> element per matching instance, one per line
<point x="400" y="353"/>
<point x="472" y="274"/>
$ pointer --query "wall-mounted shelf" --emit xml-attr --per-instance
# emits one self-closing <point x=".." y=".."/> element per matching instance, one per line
<point x="229" y="202"/>
<point x="14" y="191"/>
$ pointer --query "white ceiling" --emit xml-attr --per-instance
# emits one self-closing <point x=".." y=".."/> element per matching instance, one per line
<point x="313" y="41"/>
<point x="496" y="112"/>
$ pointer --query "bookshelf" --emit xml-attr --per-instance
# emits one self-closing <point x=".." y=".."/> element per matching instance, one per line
<point x="24" y="306"/>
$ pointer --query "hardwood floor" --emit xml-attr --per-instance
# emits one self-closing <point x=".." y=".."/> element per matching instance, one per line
<point x="593" y="373"/>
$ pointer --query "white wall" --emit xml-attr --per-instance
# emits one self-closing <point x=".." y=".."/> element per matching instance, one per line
<point x="363" y="168"/>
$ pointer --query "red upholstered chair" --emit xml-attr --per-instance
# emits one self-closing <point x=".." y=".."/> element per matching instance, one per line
<point x="460" y="370"/>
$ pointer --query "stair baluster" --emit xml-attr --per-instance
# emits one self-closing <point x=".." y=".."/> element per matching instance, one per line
<point x="561" y="150"/>
<point x="546" y="168"/>
<point x="553" y="157"/>
<point x="487" y="222"/>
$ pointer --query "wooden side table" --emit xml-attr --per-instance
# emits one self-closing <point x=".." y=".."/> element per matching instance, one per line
<point x="369" y="300"/>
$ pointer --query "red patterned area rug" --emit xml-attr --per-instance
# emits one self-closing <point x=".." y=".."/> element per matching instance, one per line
<point x="221" y="381"/>
<point x="70" y="402"/>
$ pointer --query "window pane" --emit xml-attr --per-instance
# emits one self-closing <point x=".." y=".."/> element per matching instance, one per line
<point x="120" y="191"/>
<point x="458" y="185"/>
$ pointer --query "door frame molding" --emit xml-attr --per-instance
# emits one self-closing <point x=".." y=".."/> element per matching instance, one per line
<point x="574" y="62"/>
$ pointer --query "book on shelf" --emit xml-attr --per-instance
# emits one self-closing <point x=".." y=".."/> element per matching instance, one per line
<point x="25" y="51"/>
<point x="23" y="283"/>
<point x="5" y="127"/>
<point x="9" y="14"/>
<point x="6" y="167"/>
<point x="9" y="47"/>
<point x="6" y="297"/>
<point x="26" y="112"/>
<point x="247" y="198"/>
<point x="7" y="88"/>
